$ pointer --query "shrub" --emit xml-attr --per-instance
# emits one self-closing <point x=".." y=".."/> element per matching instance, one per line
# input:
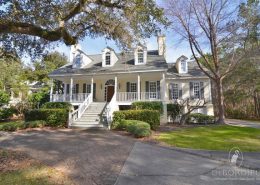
<point x="7" y="113"/>
<point x="173" y="110"/>
<point x="200" y="118"/>
<point x="152" y="105"/>
<point x="138" y="128"/>
<point x="150" y="116"/>
<point x="34" y="124"/>
<point x="53" y="117"/>
<point x="12" y="126"/>
<point x="4" y="98"/>
<point x="57" y="105"/>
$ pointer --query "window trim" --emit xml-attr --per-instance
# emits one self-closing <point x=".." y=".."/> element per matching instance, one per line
<point x="184" y="64"/>
<point x="198" y="90"/>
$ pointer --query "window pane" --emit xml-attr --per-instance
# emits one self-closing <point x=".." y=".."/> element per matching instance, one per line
<point x="175" y="91"/>
<point x="108" y="57"/>
<point x="196" y="90"/>
<point x="133" y="87"/>
<point x="140" y="56"/>
<point x="153" y="90"/>
<point x="183" y="66"/>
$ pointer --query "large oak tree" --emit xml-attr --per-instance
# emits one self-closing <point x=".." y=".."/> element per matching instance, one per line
<point x="215" y="35"/>
<point x="28" y="25"/>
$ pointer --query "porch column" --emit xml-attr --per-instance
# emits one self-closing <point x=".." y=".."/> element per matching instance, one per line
<point x="71" y="87"/>
<point x="64" y="92"/>
<point x="92" y="87"/>
<point x="51" y="91"/>
<point x="163" y="88"/>
<point x="138" y="88"/>
<point x="115" y="94"/>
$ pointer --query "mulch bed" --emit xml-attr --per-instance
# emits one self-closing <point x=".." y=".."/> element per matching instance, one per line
<point x="14" y="160"/>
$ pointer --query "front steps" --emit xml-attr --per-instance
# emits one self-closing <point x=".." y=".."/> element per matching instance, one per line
<point x="91" y="118"/>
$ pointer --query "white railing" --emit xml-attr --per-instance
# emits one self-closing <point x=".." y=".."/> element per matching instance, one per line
<point x="80" y="97"/>
<point x="127" y="96"/>
<point x="75" y="115"/>
<point x="133" y="96"/>
<point x="110" y="108"/>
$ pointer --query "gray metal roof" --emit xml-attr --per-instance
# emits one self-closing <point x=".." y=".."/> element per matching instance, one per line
<point x="125" y="63"/>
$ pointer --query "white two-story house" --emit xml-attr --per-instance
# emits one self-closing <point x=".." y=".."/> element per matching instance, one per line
<point x="98" y="85"/>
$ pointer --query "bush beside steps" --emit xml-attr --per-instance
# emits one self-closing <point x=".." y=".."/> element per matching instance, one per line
<point x="137" y="128"/>
<point x="18" y="125"/>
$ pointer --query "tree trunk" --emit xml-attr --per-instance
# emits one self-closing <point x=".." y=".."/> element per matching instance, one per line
<point x="220" y="102"/>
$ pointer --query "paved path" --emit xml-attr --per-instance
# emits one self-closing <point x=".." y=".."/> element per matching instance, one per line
<point x="243" y="123"/>
<point x="88" y="157"/>
<point x="155" y="165"/>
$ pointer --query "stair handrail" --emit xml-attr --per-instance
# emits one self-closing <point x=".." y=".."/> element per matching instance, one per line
<point x="110" y="108"/>
<point x="74" y="115"/>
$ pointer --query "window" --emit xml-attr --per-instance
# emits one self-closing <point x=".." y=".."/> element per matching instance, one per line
<point x="108" y="58"/>
<point x="133" y="87"/>
<point x="183" y="66"/>
<point x="78" y="61"/>
<point x="153" y="90"/>
<point x="175" y="91"/>
<point x="140" y="54"/>
<point x="88" y="88"/>
<point x="196" y="90"/>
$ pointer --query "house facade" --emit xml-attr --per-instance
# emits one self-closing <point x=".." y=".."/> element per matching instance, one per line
<point x="106" y="82"/>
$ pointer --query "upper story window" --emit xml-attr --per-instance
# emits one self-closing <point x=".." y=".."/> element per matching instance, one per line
<point x="108" y="58"/>
<point x="183" y="66"/>
<point x="140" y="54"/>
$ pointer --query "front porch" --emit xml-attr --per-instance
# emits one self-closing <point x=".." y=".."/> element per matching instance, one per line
<point x="123" y="89"/>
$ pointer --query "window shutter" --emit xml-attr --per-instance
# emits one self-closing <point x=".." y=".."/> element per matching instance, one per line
<point x="191" y="91"/>
<point x="68" y="89"/>
<point x="180" y="91"/>
<point x="170" y="91"/>
<point x="201" y="90"/>
<point x="158" y="86"/>
<point x="94" y="90"/>
<point x="128" y="87"/>
<point x="77" y="88"/>
<point x="146" y="86"/>
<point x="84" y="88"/>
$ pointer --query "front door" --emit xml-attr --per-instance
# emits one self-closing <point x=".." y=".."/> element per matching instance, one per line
<point x="110" y="93"/>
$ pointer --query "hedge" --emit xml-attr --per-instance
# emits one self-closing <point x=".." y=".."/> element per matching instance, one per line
<point x="12" y="126"/>
<point x="6" y="113"/>
<point x="200" y="118"/>
<point x="35" y="124"/>
<point x="57" y="105"/>
<point x="152" y="105"/>
<point x="53" y="117"/>
<point x="149" y="116"/>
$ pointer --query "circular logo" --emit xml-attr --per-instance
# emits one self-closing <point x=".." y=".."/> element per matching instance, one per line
<point x="236" y="157"/>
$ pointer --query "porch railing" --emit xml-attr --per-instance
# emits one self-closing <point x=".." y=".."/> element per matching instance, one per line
<point x="110" y="108"/>
<point x="75" y="115"/>
<point x="133" y="96"/>
<point x="80" y="97"/>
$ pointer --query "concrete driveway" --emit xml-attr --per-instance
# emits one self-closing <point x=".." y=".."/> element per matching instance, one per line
<point x="105" y="158"/>
<point x="155" y="165"/>
<point x="243" y="123"/>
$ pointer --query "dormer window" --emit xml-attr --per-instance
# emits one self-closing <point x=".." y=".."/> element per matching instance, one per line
<point x="140" y="54"/>
<point x="183" y="66"/>
<point x="108" y="58"/>
<point x="77" y="61"/>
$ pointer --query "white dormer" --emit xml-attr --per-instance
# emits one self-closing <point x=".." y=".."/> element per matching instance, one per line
<point x="78" y="58"/>
<point x="182" y="65"/>
<point x="140" y="55"/>
<point x="109" y="57"/>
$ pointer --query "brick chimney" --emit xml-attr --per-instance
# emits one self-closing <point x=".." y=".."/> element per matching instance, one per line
<point x="161" y="39"/>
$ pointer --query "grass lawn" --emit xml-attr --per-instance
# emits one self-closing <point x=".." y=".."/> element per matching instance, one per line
<point x="17" y="168"/>
<point x="220" y="137"/>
